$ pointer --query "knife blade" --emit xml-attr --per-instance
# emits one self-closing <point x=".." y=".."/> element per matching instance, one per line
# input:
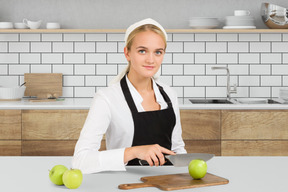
<point x="182" y="160"/>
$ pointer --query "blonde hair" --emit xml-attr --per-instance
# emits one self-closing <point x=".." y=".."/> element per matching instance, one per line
<point x="129" y="42"/>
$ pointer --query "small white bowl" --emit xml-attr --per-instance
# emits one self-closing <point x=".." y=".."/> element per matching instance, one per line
<point x="12" y="92"/>
<point x="203" y="22"/>
<point x="20" y="26"/>
<point x="6" y="25"/>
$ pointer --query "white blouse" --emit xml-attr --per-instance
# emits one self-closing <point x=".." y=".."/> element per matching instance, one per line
<point x="109" y="114"/>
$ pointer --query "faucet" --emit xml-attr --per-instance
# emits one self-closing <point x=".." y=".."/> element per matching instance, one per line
<point x="229" y="90"/>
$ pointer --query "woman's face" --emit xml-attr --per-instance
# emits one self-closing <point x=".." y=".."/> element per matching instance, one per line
<point x="146" y="53"/>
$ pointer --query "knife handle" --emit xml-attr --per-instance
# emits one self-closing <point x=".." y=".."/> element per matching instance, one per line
<point x="135" y="185"/>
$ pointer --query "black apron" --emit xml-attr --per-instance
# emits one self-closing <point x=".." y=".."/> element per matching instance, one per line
<point x="151" y="127"/>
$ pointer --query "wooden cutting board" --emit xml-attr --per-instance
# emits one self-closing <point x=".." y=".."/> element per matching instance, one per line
<point x="176" y="182"/>
<point x="42" y="84"/>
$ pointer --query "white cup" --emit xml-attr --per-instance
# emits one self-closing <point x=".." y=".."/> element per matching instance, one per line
<point x="53" y="25"/>
<point x="32" y="24"/>
<point x="241" y="12"/>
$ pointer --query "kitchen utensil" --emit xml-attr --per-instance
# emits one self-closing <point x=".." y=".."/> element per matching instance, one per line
<point x="274" y="16"/>
<point x="181" y="160"/>
<point x="53" y="25"/>
<point x="203" y="22"/>
<point x="6" y="25"/>
<point x="32" y="24"/>
<point x="176" y="181"/>
<point x="42" y="84"/>
<point x="20" y="26"/>
<point x="241" y="12"/>
<point x="22" y="84"/>
<point x="12" y="93"/>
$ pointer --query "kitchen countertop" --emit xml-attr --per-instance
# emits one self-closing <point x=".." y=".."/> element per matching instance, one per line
<point x="245" y="174"/>
<point x="84" y="103"/>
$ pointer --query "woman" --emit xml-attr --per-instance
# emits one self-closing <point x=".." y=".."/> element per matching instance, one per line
<point x="139" y="117"/>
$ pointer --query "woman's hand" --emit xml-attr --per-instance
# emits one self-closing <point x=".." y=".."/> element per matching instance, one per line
<point x="150" y="153"/>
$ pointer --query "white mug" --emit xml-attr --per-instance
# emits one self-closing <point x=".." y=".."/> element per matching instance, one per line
<point x="241" y="12"/>
<point x="32" y="24"/>
<point x="53" y="25"/>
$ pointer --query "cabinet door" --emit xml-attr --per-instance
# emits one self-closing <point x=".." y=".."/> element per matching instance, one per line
<point x="201" y="131"/>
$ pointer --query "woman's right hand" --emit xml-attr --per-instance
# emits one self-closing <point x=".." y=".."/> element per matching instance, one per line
<point x="150" y="153"/>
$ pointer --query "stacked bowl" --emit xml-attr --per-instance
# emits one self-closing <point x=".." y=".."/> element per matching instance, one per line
<point x="241" y="20"/>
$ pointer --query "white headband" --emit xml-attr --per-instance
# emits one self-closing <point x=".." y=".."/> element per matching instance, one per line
<point x="143" y="22"/>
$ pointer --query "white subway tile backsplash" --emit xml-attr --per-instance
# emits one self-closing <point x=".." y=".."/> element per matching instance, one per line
<point x="30" y="58"/>
<point x="19" y="47"/>
<point x="67" y="92"/>
<point x="285" y="37"/>
<point x="9" y="58"/>
<point x="73" y="80"/>
<point x="52" y="37"/>
<point x="209" y="70"/>
<point x="85" y="47"/>
<point x="84" y="91"/>
<point x="183" y="58"/>
<point x="120" y="47"/>
<point x="73" y="37"/>
<point x="179" y="91"/>
<point x="227" y="58"/>
<point x="260" y="47"/>
<point x="183" y="80"/>
<point x="65" y="69"/>
<point x="227" y="37"/>
<point x="174" y="47"/>
<point x="260" y="69"/>
<point x="241" y="92"/>
<point x="271" y="37"/>
<point x="52" y="58"/>
<point x="62" y="47"/>
<point x="194" y="91"/>
<point x="275" y="92"/>
<point x="166" y="79"/>
<point x="116" y="58"/>
<point x="270" y="80"/>
<point x="95" y="58"/>
<point x="169" y="37"/>
<point x="271" y="58"/>
<point x="95" y="81"/>
<point x="216" y="47"/>
<point x="172" y="69"/>
<point x="106" y="47"/>
<point x="18" y="69"/>
<point x="197" y="47"/>
<point x="260" y="92"/>
<point x="280" y="47"/>
<point x="115" y="37"/>
<point x="238" y="47"/>
<point x="194" y="69"/>
<point x="74" y="58"/>
<point x="3" y="47"/>
<point x="205" y="37"/>
<point x="9" y="81"/>
<point x="84" y="70"/>
<point x="239" y="69"/>
<point x="205" y="58"/>
<point x="3" y="70"/>
<point x="183" y="37"/>
<point x="285" y="58"/>
<point x="41" y="47"/>
<point x="9" y="37"/>
<point x="30" y="37"/>
<point x="285" y="80"/>
<point x="222" y="80"/>
<point x="106" y="70"/>
<point x="167" y="58"/>
<point x="205" y="80"/>
<point x="216" y="91"/>
<point x="41" y="68"/>
<point x="249" y="37"/>
<point x="279" y="69"/>
<point x="249" y="58"/>
<point x="95" y="37"/>
<point x="249" y="80"/>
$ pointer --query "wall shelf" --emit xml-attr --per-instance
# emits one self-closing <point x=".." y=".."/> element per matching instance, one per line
<point x="123" y="30"/>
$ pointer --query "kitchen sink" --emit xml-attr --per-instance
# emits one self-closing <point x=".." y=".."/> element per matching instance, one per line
<point x="210" y="101"/>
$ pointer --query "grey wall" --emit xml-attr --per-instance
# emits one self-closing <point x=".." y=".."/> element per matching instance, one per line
<point x="119" y="14"/>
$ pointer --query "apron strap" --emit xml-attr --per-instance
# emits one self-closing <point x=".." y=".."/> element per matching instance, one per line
<point x="165" y="96"/>
<point x="128" y="95"/>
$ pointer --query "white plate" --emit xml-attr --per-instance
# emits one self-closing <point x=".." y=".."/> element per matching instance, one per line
<point x="252" y="100"/>
<point x="239" y="27"/>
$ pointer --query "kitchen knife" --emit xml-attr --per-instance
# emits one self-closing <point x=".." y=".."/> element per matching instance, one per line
<point x="182" y="160"/>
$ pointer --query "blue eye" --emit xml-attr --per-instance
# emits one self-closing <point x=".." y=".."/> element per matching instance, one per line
<point x="158" y="52"/>
<point x="142" y="51"/>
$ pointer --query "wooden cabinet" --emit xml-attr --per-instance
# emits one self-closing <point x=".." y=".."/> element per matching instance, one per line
<point x="10" y="132"/>
<point x="254" y="132"/>
<point x="201" y="131"/>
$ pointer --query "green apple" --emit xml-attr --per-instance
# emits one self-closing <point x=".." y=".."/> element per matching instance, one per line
<point x="197" y="168"/>
<point x="72" y="178"/>
<point x="56" y="174"/>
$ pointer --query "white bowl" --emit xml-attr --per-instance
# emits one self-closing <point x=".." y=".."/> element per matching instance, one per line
<point x="12" y="92"/>
<point x="20" y="26"/>
<point x="239" y="21"/>
<point x="203" y="22"/>
<point x="6" y="25"/>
